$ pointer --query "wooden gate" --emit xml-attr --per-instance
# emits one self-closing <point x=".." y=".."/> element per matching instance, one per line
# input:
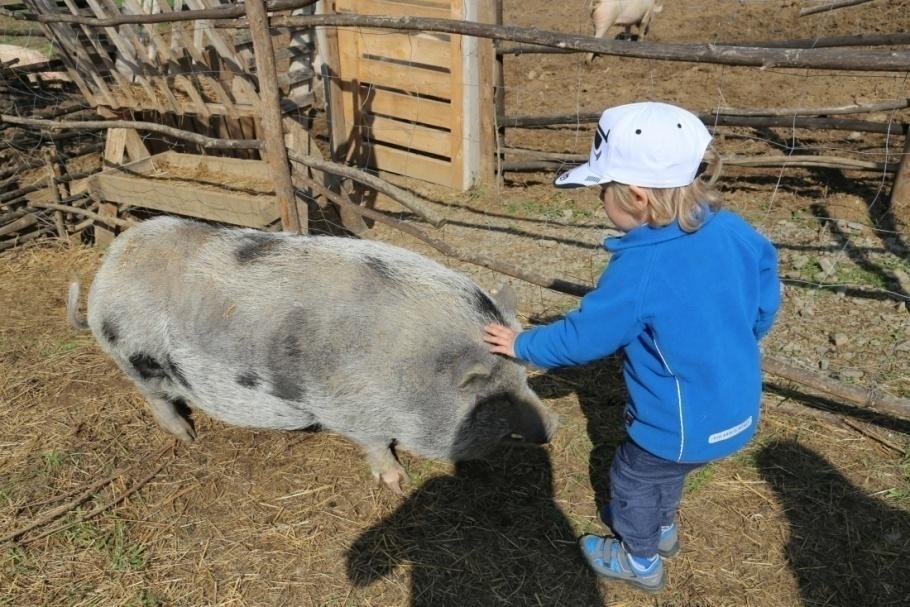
<point x="417" y="104"/>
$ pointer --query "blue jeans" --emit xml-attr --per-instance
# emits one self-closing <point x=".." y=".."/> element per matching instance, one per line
<point x="644" y="494"/>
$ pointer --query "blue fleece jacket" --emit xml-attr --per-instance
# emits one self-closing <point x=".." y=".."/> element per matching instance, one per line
<point x="689" y="309"/>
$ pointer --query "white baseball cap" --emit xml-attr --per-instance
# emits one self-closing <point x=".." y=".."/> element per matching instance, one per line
<point x="648" y="144"/>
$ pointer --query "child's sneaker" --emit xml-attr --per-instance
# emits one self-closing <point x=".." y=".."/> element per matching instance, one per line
<point x="667" y="546"/>
<point x="609" y="560"/>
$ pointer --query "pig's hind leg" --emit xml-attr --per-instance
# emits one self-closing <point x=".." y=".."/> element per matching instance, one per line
<point x="169" y="413"/>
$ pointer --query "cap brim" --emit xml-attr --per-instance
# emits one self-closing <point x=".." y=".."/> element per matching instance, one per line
<point x="580" y="177"/>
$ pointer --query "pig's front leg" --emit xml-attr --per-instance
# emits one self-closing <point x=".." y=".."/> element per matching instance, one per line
<point x="385" y="466"/>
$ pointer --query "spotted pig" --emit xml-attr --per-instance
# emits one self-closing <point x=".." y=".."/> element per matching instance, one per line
<point x="273" y="330"/>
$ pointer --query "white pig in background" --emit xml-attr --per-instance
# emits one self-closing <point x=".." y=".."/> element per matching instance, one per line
<point x="627" y="13"/>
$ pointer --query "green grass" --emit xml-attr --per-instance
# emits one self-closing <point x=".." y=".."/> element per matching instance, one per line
<point x="16" y="561"/>
<point x="121" y="552"/>
<point x="123" y="555"/>
<point x="147" y="598"/>
<point x="52" y="460"/>
<point x="699" y="478"/>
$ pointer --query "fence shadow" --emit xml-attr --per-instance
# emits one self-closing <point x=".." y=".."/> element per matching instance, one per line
<point x="845" y="547"/>
<point x="491" y="534"/>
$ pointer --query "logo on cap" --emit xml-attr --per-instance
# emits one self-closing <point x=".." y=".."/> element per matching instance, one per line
<point x="599" y="139"/>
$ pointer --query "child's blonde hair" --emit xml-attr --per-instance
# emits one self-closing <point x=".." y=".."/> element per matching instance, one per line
<point x="666" y="205"/>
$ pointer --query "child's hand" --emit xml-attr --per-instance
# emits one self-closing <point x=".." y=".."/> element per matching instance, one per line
<point x="501" y="339"/>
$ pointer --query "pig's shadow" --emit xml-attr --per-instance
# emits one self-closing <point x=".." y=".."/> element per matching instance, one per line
<point x="489" y="534"/>
<point x="845" y="547"/>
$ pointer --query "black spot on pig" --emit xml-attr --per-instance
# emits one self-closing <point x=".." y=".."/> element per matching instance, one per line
<point x="109" y="331"/>
<point x="249" y="379"/>
<point x="380" y="267"/>
<point x="292" y="349"/>
<point x="483" y="304"/>
<point x="286" y="387"/>
<point x="147" y="367"/>
<point x="256" y="245"/>
<point x="286" y="358"/>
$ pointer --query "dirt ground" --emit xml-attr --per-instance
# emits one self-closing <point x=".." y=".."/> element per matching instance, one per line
<point x="813" y="512"/>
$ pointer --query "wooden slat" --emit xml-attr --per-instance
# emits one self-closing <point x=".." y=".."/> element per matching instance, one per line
<point x="457" y="100"/>
<point x="416" y="48"/>
<point x="128" y="52"/>
<point x="405" y="77"/>
<point x="241" y="86"/>
<point x="199" y="67"/>
<point x="407" y="107"/>
<point x="406" y="135"/>
<point x="149" y="72"/>
<point x="348" y="83"/>
<point x="438" y="10"/>
<point x="123" y="88"/>
<point x="414" y="165"/>
<point x="184" y="198"/>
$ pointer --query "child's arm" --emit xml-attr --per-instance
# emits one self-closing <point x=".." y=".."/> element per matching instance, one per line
<point x="606" y="320"/>
<point x="769" y="290"/>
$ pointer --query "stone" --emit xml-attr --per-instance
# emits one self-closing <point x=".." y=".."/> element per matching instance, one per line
<point x="799" y="261"/>
<point x="823" y="364"/>
<point x="840" y="339"/>
<point x="852" y="373"/>
<point x="547" y="243"/>
<point x="826" y="265"/>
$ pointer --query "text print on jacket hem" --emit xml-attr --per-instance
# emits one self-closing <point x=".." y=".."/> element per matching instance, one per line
<point x="679" y="403"/>
<point x="730" y="432"/>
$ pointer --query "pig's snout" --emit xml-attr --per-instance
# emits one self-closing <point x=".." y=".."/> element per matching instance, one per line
<point x="532" y="423"/>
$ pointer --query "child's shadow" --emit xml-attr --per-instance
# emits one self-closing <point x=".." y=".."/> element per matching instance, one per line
<point x="845" y="547"/>
<point x="489" y="534"/>
<point x="601" y="395"/>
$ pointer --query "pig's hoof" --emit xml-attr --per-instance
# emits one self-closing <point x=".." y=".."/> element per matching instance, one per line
<point x="184" y="431"/>
<point x="393" y="478"/>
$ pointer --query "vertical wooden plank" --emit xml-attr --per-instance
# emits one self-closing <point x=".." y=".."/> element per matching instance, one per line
<point x="457" y="97"/>
<point x="499" y="106"/>
<point x="331" y="59"/>
<point x="481" y="136"/>
<point x="276" y="153"/>
<point x="349" y="84"/>
<point x="900" y="191"/>
<point x="114" y="149"/>
<point x="59" y="225"/>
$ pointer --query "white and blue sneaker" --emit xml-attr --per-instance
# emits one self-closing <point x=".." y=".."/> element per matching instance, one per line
<point x="609" y="559"/>
<point x="667" y="546"/>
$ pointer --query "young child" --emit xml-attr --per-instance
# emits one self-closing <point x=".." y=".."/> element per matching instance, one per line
<point x="688" y="293"/>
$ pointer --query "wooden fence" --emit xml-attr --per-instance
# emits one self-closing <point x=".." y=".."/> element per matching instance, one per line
<point x="414" y="103"/>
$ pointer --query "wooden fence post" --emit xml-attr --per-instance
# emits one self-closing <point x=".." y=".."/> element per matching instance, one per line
<point x="900" y="191"/>
<point x="275" y="152"/>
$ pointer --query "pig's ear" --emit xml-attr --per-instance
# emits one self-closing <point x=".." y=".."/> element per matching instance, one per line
<point x="506" y="298"/>
<point x="473" y="372"/>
